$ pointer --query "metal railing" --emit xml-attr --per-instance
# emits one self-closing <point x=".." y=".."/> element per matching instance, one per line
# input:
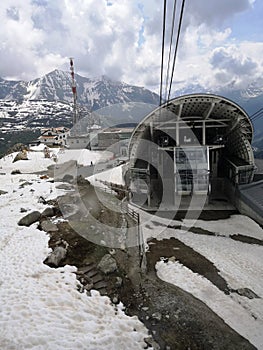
<point x="113" y="188"/>
<point x="135" y="216"/>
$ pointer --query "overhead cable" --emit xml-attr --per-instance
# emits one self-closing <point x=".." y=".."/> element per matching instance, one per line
<point x="176" y="46"/>
<point x="257" y="114"/>
<point x="170" y="50"/>
<point x="163" y="44"/>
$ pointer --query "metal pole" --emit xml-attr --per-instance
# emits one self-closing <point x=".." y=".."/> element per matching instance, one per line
<point x="74" y="91"/>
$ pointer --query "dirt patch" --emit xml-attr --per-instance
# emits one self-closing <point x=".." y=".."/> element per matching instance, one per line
<point x="246" y="239"/>
<point x="175" y="319"/>
<point x="206" y="215"/>
<point x="188" y="257"/>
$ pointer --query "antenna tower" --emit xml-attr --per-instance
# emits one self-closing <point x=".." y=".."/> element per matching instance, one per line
<point x="74" y="91"/>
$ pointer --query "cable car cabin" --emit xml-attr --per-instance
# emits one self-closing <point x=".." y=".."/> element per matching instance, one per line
<point x="193" y="145"/>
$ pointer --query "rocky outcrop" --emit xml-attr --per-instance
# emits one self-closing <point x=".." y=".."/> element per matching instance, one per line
<point x="56" y="257"/>
<point x="48" y="226"/>
<point x="18" y="147"/>
<point x="49" y="212"/>
<point x="15" y="172"/>
<point x="68" y="178"/>
<point x="107" y="264"/>
<point x="26" y="183"/>
<point x="29" y="219"/>
<point x="20" y="156"/>
<point x="80" y="180"/>
<point x="246" y="292"/>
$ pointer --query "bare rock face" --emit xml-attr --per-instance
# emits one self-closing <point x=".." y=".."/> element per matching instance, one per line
<point x="3" y="192"/>
<point x="20" y="156"/>
<point x="18" y="147"/>
<point x="49" y="212"/>
<point x="56" y="257"/>
<point x="68" y="178"/>
<point x="107" y="264"/>
<point x="29" y="219"/>
<point x="246" y="292"/>
<point x="15" y="172"/>
<point x="82" y="181"/>
<point x="48" y="226"/>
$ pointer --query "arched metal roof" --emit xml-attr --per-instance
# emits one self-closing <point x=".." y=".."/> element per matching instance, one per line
<point x="213" y="110"/>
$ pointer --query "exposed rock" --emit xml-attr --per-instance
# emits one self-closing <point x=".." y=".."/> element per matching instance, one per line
<point x="246" y="292"/>
<point x="66" y="187"/>
<point x="56" y="257"/>
<point x="49" y="212"/>
<point x="42" y="200"/>
<point x="3" y="192"/>
<point x="82" y="181"/>
<point x="15" y="172"/>
<point x="115" y="300"/>
<point x="20" y="156"/>
<point x="157" y="316"/>
<point x="18" y="147"/>
<point x="107" y="264"/>
<point x="29" y="219"/>
<point x="23" y="210"/>
<point x="67" y="178"/>
<point x="48" y="226"/>
<point x="118" y="283"/>
<point x="26" y="183"/>
<point x="150" y="342"/>
<point x="88" y="286"/>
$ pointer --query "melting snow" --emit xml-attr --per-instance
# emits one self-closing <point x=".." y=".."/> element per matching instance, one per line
<point x="40" y="307"/>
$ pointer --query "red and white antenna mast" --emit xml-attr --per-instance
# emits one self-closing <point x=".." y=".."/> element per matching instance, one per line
<point x="74" y="91"/>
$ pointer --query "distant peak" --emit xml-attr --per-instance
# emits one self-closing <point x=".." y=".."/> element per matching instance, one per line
<point x="105" y="78"/>
<point x="57" y="72"/>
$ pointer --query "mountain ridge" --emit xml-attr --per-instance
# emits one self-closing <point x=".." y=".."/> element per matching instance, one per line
<point x="47" y="101"/>
<point x="94" y="93"/>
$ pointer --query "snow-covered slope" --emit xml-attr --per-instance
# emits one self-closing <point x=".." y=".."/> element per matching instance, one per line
<point x="47" y="101"/>
<point x="93" y="93"/>
<point x="19" y="115"/>
<point x="40" y="307"/>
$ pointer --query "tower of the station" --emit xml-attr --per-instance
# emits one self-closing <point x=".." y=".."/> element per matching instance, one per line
<point x="74" y="91"/>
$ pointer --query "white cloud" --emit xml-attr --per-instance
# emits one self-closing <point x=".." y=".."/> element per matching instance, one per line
<point x="214" y="13"/>
<point x="122" y="39"/>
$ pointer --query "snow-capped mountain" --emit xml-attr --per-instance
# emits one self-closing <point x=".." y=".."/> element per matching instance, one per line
<point x="18" y="115"/>
<point x="93" y="93"/>
<point x="48" y="100"/>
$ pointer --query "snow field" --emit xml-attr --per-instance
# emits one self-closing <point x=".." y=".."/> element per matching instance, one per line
<point x="43" y="300"/>
<point x="229" y="309"/>
<point x="236" y="224"/>
<point x="40" y="307"/>
<point x="240" y="264"/>
<point x="112" y="175"/>
<point x="37" y="162"/>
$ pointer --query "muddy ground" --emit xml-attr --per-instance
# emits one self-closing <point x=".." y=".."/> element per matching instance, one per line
<point x="175" y="319"/>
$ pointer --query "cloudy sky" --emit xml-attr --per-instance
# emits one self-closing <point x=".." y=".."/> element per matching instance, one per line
<point x="221" y="41"/>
